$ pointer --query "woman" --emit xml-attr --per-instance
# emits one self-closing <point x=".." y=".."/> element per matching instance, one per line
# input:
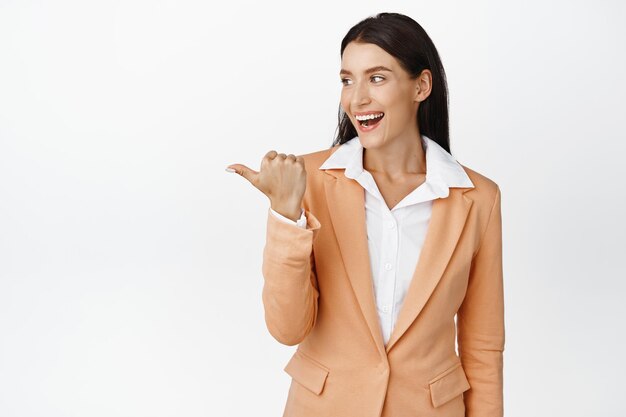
<point x="376" y="244"/>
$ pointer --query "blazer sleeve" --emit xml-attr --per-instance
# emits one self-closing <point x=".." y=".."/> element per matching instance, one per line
<point x="290" y="290"/>
<point x="480" y="322"/>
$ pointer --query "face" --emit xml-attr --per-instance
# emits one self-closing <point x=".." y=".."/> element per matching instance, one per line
<point x="375" y="85"/>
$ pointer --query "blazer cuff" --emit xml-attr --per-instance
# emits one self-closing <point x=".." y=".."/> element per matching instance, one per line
<point x="284" y="241"/>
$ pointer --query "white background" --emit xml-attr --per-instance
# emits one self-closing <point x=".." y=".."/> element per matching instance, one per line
<point x="130" y="261"/>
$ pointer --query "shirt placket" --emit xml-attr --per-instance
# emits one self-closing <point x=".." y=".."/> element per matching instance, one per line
<point x="388" y="269"/>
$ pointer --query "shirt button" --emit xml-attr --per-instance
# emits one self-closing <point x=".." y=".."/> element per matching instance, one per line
<point x="391" y="224"/>
<point x="387" y="266"/>
<point x="385" y="309"/>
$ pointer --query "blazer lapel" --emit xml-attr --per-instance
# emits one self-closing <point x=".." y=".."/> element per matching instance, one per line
<point x="346" y="204"/>
<point x="446" y="224"/>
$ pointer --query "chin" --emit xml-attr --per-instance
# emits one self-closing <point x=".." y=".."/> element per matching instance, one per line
<point x="372" y="140"/>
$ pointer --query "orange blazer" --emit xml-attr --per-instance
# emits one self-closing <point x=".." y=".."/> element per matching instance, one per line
<point x="318" y="294"/>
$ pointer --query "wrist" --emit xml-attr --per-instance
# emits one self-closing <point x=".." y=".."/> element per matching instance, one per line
<point x="288" y="212"/>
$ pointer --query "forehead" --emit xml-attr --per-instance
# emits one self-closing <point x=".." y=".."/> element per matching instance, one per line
<point x="359" y="56"/>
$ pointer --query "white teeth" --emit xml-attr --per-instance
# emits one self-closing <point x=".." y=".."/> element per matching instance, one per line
<point x="369" y="116"/>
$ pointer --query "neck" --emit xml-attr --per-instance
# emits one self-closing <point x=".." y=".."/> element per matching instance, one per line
<point x="397" y="158"/>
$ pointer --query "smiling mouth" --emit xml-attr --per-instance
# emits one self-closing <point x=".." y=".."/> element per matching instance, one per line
<point x="371" y="121"/>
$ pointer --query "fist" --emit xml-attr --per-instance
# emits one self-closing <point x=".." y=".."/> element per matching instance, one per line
<point x="282" y="178"/>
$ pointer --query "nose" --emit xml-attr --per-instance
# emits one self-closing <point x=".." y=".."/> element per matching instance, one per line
<point x="360" y="95"/>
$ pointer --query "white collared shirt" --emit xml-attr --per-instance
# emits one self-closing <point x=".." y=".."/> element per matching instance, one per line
<point x="395" y="237"/>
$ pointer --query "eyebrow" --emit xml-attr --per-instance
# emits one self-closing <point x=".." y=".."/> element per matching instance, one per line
<point x="367" y="71"/>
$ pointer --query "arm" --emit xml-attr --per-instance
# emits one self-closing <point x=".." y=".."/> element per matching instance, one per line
<point x="290" y="290"/>
<point x="480" y="322"/>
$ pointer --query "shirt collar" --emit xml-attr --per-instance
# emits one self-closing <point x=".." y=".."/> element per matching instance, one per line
<point x="442" y="169"/>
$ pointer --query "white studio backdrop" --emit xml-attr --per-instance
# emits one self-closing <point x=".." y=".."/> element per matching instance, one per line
<point x="130" y="261"/>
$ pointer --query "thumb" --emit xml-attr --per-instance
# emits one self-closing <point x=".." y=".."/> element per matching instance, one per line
<point x="244" y="171"/>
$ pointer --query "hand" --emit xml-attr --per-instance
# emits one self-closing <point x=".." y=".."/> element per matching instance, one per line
<point x="282" y="179"/>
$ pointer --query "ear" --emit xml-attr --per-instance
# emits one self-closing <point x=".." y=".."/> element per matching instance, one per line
<point x="423" y="85"/>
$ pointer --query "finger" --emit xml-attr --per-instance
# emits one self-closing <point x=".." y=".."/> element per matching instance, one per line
<point x="244" y="171"/>
<point x="300" y="161"/>
<point x="291" y="157"/>
<point x="270" y="155"/>
<point x="281" y="155"/>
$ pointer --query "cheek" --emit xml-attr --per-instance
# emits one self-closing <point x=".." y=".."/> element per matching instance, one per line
<point x="402" y="109"/>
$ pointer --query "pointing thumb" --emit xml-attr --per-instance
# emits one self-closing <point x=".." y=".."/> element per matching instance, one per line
<point x="242" y="170"/>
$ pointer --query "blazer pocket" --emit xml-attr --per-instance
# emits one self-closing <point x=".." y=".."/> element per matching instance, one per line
<point x="448" y="384"/>
<point x="307" y="372"/>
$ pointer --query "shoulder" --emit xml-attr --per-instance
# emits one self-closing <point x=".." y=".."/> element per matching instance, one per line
<point x="485" y="189"/>
<point x="314" y="160"/>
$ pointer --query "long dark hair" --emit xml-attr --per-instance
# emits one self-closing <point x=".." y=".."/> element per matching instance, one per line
<point x="403" y="38"/>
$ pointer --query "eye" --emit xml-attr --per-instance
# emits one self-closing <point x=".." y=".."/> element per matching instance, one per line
<point x="378" y="76"/>
<point x="345" y="80"/>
